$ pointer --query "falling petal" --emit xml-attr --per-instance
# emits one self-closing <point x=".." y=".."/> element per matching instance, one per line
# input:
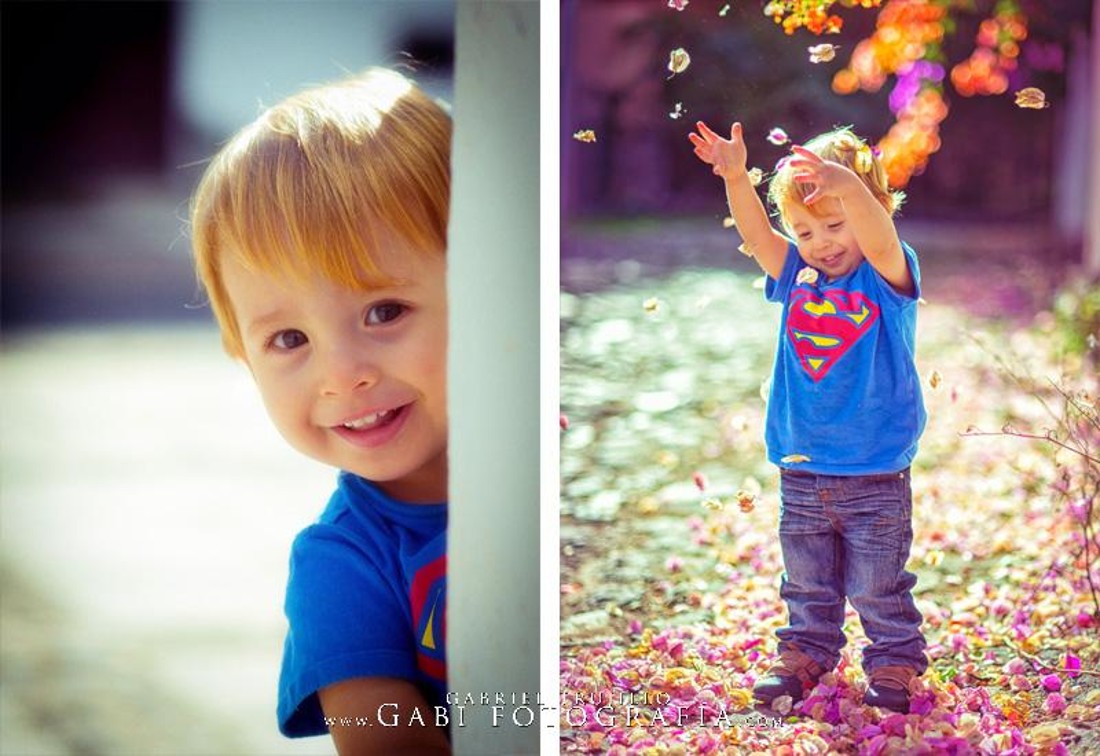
<point x="746" y="250"/>
<point x="778" y="137"/>
<point x="823" y="53"/>
<point x="585" y="135"/>
<point x="724" y="11"/>
<point x="792" y="459"/>
<point x="807" y="275"/>
<point x="678" y="4"/>
<point x="651" y="305"/>
<point x="678" y="111"/>
<point x="714" y="505"/>
<point x="935" y="379"/>
<point x="678" y="61"/>
<point x="1032" y="97"/>
<point x="756" y="176"/>
<point x="773" y="8"/>
<point x="563" y="422"/>
<point x="728" y="222"/>
<point x="700" y="480"/>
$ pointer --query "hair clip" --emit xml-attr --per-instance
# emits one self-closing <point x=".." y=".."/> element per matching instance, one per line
<point x="846" y="141"/>
<point x="864" y="159"/>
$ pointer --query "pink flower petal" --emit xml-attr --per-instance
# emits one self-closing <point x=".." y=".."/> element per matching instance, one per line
<point x="1051" y="682"/>
<point x="1072" y="665"/>
<point x="1055" y="703"/>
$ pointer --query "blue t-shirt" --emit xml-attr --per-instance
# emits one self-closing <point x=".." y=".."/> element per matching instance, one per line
<point x="366" y="598"/>
<point x="845" y="391"/>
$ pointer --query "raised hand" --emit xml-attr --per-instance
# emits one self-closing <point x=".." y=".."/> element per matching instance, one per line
<point x="727" y="157"/>
<point x="829" y="179"/>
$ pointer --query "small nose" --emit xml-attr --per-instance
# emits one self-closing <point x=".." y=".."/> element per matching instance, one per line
<point x="345" y="369"/>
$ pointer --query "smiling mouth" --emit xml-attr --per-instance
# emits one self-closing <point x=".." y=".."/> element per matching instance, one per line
<point x="373" y="420"/>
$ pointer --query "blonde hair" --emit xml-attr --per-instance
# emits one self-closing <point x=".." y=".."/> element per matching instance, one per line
<point x="316" y="184"/>
<point x="840" y="145"/>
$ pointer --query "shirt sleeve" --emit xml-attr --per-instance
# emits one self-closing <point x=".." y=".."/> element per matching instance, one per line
<point x="346" y="620"/>
<point x="892" y="295"/>
<point x="776" y="290"/>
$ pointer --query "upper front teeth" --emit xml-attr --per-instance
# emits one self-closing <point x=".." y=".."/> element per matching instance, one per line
<point x="368" y="420"/>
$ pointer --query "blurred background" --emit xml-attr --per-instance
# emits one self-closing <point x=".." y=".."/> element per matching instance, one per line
<point x="146" y="505"/>
<point x="995" y="191"/>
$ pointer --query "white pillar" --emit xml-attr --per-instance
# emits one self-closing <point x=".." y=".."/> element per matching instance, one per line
<point x="1092" y="207"/>
<point x="493" y="285"/>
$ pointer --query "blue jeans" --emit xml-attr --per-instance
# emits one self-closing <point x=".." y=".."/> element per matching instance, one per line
<point x="849" y="537"/>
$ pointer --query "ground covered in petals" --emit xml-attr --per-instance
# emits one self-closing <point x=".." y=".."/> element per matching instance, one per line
<point x="670" y="556"/>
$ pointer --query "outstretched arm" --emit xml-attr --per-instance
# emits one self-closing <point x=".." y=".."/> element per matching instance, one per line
<point x="870" y="223"/>
<point x="728" y="158"/>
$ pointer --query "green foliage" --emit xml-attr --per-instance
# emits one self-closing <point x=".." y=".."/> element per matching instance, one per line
<point x="1077" y="317"/>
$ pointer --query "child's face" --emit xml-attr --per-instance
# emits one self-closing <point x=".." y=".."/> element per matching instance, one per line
<point x="355" y="378"/>
<point x="825" y="240"/>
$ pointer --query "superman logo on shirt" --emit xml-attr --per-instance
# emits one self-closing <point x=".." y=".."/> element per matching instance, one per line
<point x="428" y="598"/>
<point x="822" y="328"/>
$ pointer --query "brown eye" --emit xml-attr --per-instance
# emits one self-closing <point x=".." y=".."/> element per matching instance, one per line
<point x="387" y="312"/>
<point x="287" y="340"/>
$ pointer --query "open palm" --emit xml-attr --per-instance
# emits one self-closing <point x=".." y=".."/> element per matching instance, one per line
<point x="727" y="157"/>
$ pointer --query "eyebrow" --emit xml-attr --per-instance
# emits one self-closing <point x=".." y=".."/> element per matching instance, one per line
<point x="263" y="322"/>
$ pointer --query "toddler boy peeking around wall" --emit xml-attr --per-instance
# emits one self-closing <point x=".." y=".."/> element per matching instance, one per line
<point x="319" y="234"/>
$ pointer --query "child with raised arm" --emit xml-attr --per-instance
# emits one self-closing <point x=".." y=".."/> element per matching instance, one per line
<point x="320" y="236"/>
<point x="845" y="410"/>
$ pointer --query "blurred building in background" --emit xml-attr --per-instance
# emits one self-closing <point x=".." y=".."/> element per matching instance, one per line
<point x="998" y="165"/>
<point x="111" y="108"/>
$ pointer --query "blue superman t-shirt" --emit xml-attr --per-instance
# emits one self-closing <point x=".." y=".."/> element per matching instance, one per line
<point x="845" y="391"/>
<point x="366" y="598"/>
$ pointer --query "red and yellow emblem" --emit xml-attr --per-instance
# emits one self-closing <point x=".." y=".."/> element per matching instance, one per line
<point x="823" y="328"/>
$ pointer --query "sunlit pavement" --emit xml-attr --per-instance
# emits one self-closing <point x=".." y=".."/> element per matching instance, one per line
<point x="146" y="513"/>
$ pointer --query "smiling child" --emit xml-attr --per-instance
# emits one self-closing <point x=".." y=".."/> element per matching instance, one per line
<point x="320" y="237"/>
<point x="845" y="410"/>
